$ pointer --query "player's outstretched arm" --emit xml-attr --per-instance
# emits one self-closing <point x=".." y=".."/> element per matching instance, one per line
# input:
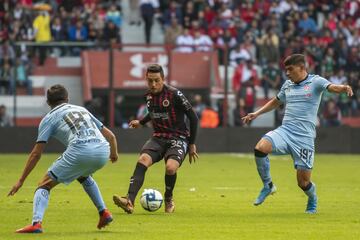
<point x="134" y="124"/>
<point x="33" y="159"/>
<point x="110" y="137"/>
<point x="270" y="105"/>
<point x="138" y="123"/>
<point x="335" y="88"/>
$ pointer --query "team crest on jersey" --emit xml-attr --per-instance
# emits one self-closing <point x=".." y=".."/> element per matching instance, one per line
<point x="148" y="97"/>
<point x="166" y="103"/>
<point x="306" y="87"/>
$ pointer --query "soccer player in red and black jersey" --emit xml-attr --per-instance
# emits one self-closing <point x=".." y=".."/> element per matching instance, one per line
<point x="171" y="140"/>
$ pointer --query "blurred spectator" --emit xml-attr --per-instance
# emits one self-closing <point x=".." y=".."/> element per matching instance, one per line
<point x="173" y="12"/>
<point x="7" y="81"/>
<point x="111" y="33"/>
<point x="247" y="97"/>
<point x="185" y="42"/>
<point x="172" y="32"/>
<point x="238" y="113"/>
<point x="5" y="119"/>
<point x="209" y="118"/>
<point x="7" y="53"/>
<point x="243" y="73"/>
<point x="225" y="40"/>
<point x="22" y="76"/>
<point x="114" y="15"/>
<point x="269" y="47"/>
<point x="134" y="15"/>
<point x="307" y="24"/>
<point x="78" y="32"/>
<point x="202" y="42"/>
<point x="198" y="105"/>
<point x="339" y="77"/>
<point x="331" y="114"/>
<point x="58" y="31"/>
<point x="42" y="34"/>
<point x="271" y="78"/>
<point x="148" y="9"/>
<point x="239" y="54"/>
<point x="119" y="117"/>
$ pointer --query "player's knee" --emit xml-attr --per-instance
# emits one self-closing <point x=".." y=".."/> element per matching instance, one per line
<point x="264" y="146"/>
<point x="260" y="154"/>
<point x="171" y="167"/>
<point x="145" y="160"/>
<point x="82" y="179"/>
<point x="303" y="184"/>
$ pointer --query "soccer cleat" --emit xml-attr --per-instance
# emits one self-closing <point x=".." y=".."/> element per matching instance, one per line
<point x="34" y="228"/>
<point x="311" y="205"/>
<point x="263" y="194"/>
<point x="169" y="205"/>
<point x="124" y="203"/>
<point x="105" y="219"/>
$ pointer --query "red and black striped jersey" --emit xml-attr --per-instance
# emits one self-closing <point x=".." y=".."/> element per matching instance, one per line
<point x="167" y="111"/>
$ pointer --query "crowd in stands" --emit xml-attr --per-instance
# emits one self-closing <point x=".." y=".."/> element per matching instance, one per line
<point x="261" y="33"/>
<point x="46" y="21"/>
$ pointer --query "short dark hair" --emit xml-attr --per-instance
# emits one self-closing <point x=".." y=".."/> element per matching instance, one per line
<point x="155" y="68"/>
<point x="56" y="94"/>
<point x="295" y="59"/>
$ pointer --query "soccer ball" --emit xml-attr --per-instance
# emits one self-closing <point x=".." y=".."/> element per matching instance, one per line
<point x="151" y="200"/>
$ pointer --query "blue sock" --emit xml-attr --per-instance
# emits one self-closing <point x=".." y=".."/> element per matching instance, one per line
<point x="41" y="200"/>
<point x="263" y="167"/>
<point x="311" y="190"/>
<point x="92" y="189"/>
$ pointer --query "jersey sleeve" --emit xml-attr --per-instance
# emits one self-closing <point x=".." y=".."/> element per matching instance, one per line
<point x="281" y="95"/>
<point x="321" y="84"/>
<point x="45" y="130"/>
<point x="182" y="102"/>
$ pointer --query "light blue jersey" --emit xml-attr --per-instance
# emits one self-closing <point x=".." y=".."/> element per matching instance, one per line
<point x="87" y="149"/>
<point x="297" y="133"/>
<point x="302" y="103"/>
<point x="70" y="124"/>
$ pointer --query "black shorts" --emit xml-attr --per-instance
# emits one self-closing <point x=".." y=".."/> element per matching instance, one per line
<point x="159" y="148"/>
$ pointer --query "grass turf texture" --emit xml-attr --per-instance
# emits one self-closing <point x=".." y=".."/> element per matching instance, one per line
<point x="213" y="201"/>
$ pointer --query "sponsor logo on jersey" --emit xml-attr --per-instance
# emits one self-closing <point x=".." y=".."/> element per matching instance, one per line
<point x="166" y="103"/>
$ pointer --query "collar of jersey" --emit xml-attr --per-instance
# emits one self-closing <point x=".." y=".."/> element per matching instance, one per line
<point x="304" y="81"/>
<point x="57" y="107"/>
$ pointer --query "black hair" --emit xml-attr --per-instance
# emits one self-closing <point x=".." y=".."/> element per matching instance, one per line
<point x="56" y="94"/>
<point x="155" y="68"/>
<point x="295" y="59"/>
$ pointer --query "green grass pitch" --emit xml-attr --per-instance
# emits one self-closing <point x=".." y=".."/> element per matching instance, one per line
<point x="213" y="201"/>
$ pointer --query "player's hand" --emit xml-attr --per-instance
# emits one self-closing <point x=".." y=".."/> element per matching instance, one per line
<point x="134" y="124"/>
<point x="192" y="153"/>
<point x="114" y="157"/>
<point x="349" y="91"/>
<point x="15" y="188"/>
<point x="248" y="118"/>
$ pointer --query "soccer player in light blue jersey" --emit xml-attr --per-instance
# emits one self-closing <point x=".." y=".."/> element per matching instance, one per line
<point x="89" y="145"/>
<point x="301" y="95"/>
